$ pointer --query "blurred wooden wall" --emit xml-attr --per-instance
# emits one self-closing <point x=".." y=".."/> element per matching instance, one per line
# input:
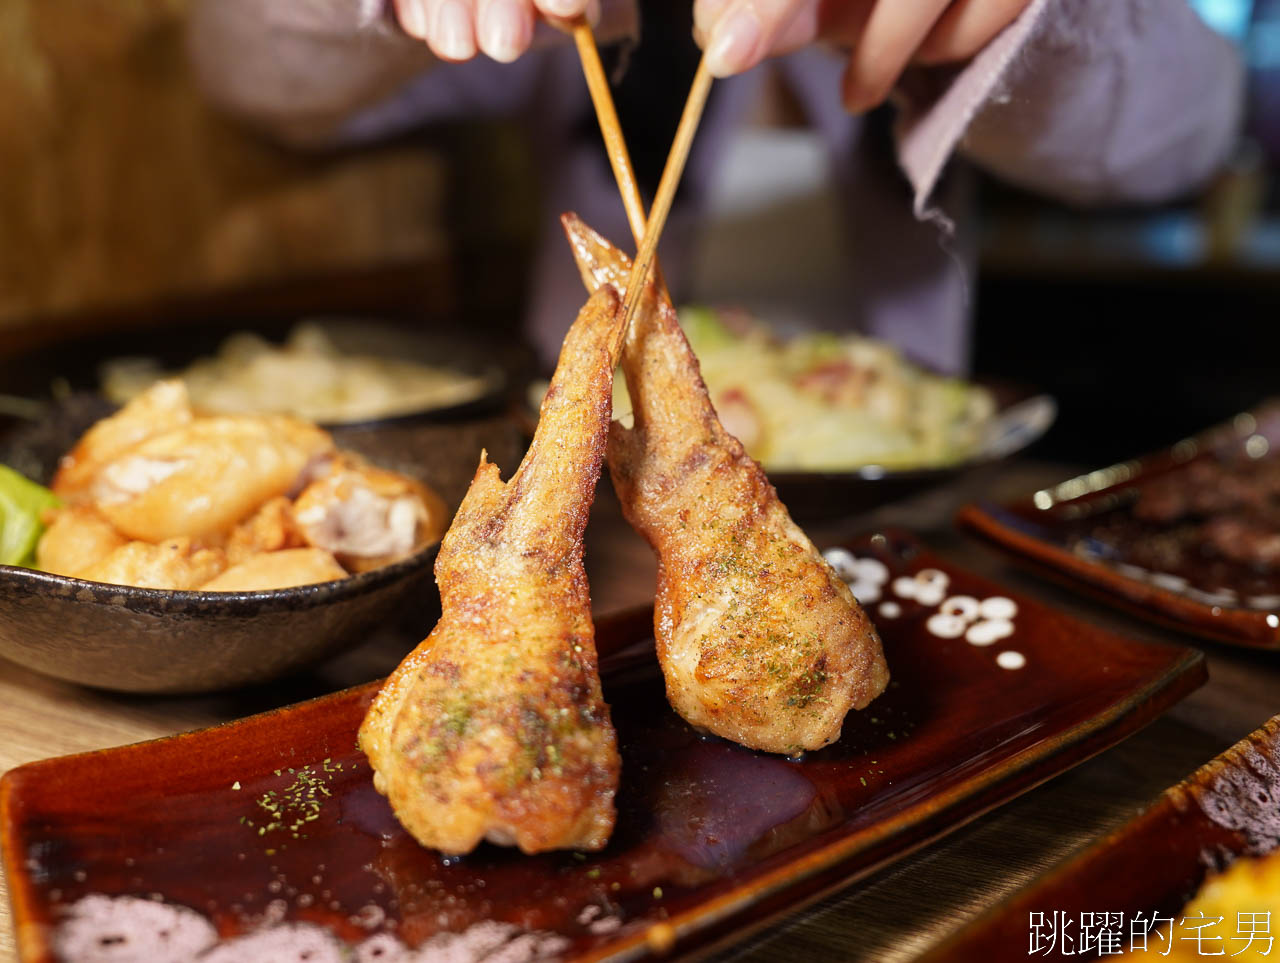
<point x="119" y="186"/>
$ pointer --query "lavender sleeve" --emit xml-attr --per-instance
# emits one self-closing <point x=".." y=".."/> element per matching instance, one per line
<point x="317" y="73"/>
<point x="1089" y="101"/>
<point x="300" y="70"/>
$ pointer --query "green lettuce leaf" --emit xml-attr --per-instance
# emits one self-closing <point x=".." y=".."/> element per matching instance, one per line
<point x="22" y="502"/>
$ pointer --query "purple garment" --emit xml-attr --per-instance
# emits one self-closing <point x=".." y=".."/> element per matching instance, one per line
<point x="1088" y="101"/>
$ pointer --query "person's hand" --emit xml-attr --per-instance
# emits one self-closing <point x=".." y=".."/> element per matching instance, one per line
<point x="882" y="36"/>
<point x="457" y="29"/>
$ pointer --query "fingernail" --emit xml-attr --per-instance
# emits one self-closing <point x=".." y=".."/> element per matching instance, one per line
<point x="563" y="8"/>
<point x="453" y="31"/>
<point x="413" y="18"/>
<point x="705" y="15"/>
<point x="734" y="42"/>
<point x="503" y="30"/>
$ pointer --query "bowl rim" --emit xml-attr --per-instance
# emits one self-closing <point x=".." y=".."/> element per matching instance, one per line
<point x="296" y="597"/>
<point x="1031" y="417"/>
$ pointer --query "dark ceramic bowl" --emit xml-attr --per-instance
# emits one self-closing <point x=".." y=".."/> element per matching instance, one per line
<point x="151" y="640"/>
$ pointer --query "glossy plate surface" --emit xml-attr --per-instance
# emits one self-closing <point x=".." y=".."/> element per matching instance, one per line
<point x="1084" y="531"/>
<point x="1153" y="864"/>
<point x="270" y="826"/>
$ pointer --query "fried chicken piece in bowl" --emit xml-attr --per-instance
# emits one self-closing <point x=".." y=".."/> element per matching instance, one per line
<point x="185" y="557"/>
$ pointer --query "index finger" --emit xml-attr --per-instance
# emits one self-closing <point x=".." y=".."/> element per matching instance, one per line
<point x="747" y="31"/>
<point x="966" y="28"/>
<point x="886" y="45"/>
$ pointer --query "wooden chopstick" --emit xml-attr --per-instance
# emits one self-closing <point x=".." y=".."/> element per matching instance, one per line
<point x="648" y="245"/>
<point x="614" y="143"/>
<point x="646" y="234"/>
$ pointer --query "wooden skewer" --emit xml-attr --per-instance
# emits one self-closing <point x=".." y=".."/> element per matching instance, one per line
<point x="614" y="143"/>
<point x="676" y="159"/>
<point x="620" y="158"/>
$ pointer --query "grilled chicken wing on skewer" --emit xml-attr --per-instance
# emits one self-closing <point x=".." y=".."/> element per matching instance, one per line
<point x="759" y="640"/>
<point x="495" y="726"/>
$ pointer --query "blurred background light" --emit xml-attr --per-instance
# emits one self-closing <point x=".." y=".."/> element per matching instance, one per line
<point x="1229" y="17"/>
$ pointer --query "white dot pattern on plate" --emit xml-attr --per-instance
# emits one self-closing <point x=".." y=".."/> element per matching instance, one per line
<point x="928" y="586"/>
<point x="934" y="577"/>
<point x="1011" y="660"/>
<point x="107" y="929"/>
<point x="100" y="929"/>
<point x="842" y="561"/>
<point x="865" y="592"/>
<point x="998" y="607"/>
<point x="865" y="576"/>
<point x="946" y="626"/>
<point x="963" y="606"/>
<point x="872" y="570"/>
<point x="989" y="631"/>
<point x="981" y="622"/>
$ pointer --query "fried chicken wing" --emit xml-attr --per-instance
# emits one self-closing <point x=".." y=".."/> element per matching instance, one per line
<point x="367" y="516"/>
<point x="759" y="640"/>
<point x="177" y="563"/>
<point x="161" y="408"/>
<point x="277" y="569"/>
<point x="204" y="477"/>
<point x="494" y="727"/>
<point x="270" y="529"/>
<point x="76" y="538"/>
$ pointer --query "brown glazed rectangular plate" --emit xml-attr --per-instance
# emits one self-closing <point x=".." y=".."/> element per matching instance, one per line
<point x="1084" y="531"/>
<point x="267" y="832"/>
<point x="1152" y="865"/>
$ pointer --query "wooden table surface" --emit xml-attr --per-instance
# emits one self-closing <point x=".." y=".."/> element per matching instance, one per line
<point x="891" y="916"/>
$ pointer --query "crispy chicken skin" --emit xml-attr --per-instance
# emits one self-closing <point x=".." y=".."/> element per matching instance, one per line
<point x="494" y="727"/>
<point x="163" y="408"/>
<point x="176" y="563"/>
<point x="270" y="529"/>
<point x="759" y="640"/>
<point x="277" y="569"/>
<point x="366" y="516"/>
<point x="162" y="496"/>
<point x="204" y="477"/>
<point x="155" y="471"/>
<point x="77" y="538"/>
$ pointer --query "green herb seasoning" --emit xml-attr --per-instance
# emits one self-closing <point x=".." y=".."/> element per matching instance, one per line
<point x="289" y="810"/>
